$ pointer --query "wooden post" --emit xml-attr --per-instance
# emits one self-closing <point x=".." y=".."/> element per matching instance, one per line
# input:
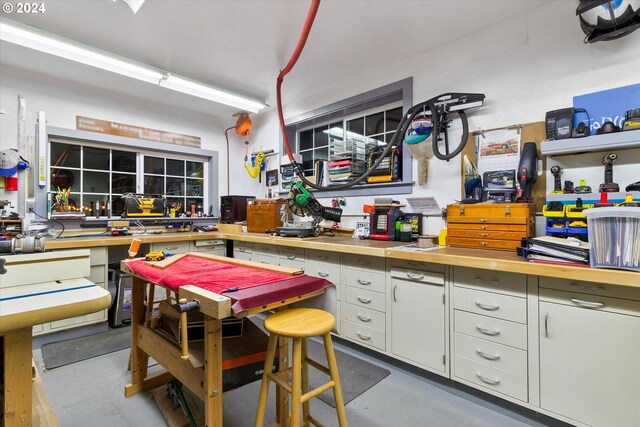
<point x="213" y="371"/>
<point x="139" y="359"/>
<point x="17" y="377"/>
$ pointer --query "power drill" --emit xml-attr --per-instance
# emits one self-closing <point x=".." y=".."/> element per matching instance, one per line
<point x="556" y="171"/>
<point x="608" y="186"/>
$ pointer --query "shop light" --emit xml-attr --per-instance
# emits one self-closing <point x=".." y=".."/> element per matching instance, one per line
<point x="32" y="38"/>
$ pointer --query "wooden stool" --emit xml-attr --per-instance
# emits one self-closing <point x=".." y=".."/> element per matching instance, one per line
<point x="300" y="324"/>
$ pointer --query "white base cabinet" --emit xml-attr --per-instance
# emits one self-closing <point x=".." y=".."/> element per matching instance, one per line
<point x="590" y="358"/>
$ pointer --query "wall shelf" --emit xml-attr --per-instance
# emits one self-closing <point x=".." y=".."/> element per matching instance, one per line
<point x="604" y="142"/>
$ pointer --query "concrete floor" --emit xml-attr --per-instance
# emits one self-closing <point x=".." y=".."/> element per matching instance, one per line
<point x="92" y="393"/>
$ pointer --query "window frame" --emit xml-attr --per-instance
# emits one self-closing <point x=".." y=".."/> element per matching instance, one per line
<point x="142" y="148"/>
<point x="400" y="91"/>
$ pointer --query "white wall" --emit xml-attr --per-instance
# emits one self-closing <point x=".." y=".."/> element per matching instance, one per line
<point x="63" y="100"/>
<point x="525" y="67"/>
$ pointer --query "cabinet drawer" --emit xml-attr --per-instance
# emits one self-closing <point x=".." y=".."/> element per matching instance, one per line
<point x="324" y="256"/>
<point x="405" y="264"/>
<point x="243" y="246"/>
<point x="99" y="256"/>
<point x="491" y="353"/>
<point x="419" y="276"/>
<point x="364" y="335"/>
<point x="265" y="249"/>
<point x="212" y="242"/>
<point x="247" y="256"/>
<point x="365" y="317"/>
<point x="489" y="280"/>
<point x="171" y="247"/>
<point x="365" y="262"/>
<point x="26" y="269"/>
<point x="491" y="304"/>
<point x="97" y="275"/>
<point x="488" y="328"/>
<point x="364" y="298"/>
<point x="484" y="234"/>
<point x="298" y="264"/>
<point x="486" y="227"/>
<point x="484" y="243"/>
<point x="591" y="288"/>
<point x="365" y="279"/>
<point x="212" y="250"/>
<point x="493" y="378"/>
<point x="591" y="302"/>
<point x="265" y="259"/>
<point x="290" y="251"/>
<point x="326" y="270"/>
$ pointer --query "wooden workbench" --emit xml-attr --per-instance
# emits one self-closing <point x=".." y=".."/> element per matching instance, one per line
<point x="476" y="258"/>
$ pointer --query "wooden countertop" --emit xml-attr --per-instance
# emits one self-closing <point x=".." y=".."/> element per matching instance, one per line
<point x="475" y="258"/>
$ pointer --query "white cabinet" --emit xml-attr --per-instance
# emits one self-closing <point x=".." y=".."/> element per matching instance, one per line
<point x="418" y="311"/>
<point x="172" y="247"/>
<point x="212" y="247"/>
<point x="243" y="250"/>
<point x="292" y="257"/>
<point x="328" y="265"/>
<point x="589" y="358"/>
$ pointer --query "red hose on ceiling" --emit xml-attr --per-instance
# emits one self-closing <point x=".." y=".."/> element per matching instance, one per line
<point x="306" y="29"/>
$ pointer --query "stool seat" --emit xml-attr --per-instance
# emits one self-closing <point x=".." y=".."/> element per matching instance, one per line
<point x="300" y="323"/>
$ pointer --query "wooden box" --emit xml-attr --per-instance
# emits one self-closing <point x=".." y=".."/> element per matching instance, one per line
<point x="490" y="225"/>
<point x="263" y="215"/>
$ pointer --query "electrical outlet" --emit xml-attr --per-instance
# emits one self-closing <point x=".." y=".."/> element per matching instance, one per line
<point x="31" y="206"/>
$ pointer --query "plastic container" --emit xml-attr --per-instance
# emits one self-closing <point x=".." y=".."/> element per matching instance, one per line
<point x="614" y="235"/>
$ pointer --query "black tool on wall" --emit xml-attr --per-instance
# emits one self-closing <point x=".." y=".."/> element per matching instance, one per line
<point x="608" y="186"/>
<point x="556" y="171"/>
<point x="527" y="171"/>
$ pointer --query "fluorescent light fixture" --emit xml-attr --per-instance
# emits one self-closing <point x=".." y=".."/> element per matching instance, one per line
<point x="32" y="38"/>
<point x="340" y="133"/>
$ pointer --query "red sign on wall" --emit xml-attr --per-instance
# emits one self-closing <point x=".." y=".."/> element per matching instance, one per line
<point x="130" y="131"/>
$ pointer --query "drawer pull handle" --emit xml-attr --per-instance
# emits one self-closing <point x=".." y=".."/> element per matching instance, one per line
<point x="587" y="304"/>
<point x="363" y="318"/>
<point x="483" y="220"/>
<point x="361" y="262"/>
<point x="487" y="306"/>
<point x="546" y="325"/>
<point x="363" y="337"/>
<point x="242" y="250"/>
<point x="364" y="282"/>
<point x="415" y="276"/>
<point x="487" y="380"/>
<point x="484" y="234"/>
<point x="291" y="257"/>
<point x="481" y="280"/>
<point x="264" y="262"/>
<point x="322" y="274"/>
<point x="483" y="243"/>
<point x="364" y="300"/>
<point x="484" y="227"/>
<point x="487" y="356"/>
<point x="492" y="332"/>
<point x="172" y="248"/>
<point x="323" y="257"/>
<point x="592" y="287"/>
<point x="395" y="297"/>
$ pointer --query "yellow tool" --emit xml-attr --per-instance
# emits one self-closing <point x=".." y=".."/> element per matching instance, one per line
<point x="254" y="171"/>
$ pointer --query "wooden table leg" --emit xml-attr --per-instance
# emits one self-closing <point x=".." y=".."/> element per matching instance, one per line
<point x="139" y="359"/>
<point x="17" y="377"/>
<point x="213" y="371"/>
<point x="282" y="397"/>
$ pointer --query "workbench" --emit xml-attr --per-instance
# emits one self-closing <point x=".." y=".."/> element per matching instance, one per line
<point x="24" y="304"/>
<point x="242" y="288"/>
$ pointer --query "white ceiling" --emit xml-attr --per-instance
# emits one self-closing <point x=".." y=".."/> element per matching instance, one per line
<point x="241" y="45"/>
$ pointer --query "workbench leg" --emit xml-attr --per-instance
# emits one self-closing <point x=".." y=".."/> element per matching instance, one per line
<point x="17" y="377"/>
<point x="139" y="359"/>
<point x="282" y="397"/>
<point x="213" y="372"/>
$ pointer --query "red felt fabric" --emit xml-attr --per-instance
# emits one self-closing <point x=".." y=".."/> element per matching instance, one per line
<point x="207" y="274"/>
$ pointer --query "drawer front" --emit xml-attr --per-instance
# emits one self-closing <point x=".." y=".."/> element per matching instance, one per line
<point x="243" y="246"/>
<point x="491" y="304"/>
<point x="485" y="227"/>
<point x="171" y="247"/>
<point x="265" y="259"/>
<point x="212" y="250"/>
<point x="364" y="335"/>
<point x="265" y="249"/>
<point x="27" y="269"/>
<point x="212" y="242"/>
<point x="292" y="255"/>
<point x="365" y="317"/>
<point x="365" y="279"/>
<point x="489" y="280"/>
<point x="99" y="256"/>
<point x="501" y="245"/>
<point x="247" y="256"/>
<point x="325" y="270"/>
<point x="323" y="256"/>
<point x="364" y="298"/>
<point x="405" y="264"/>
<point x="493" y="378"/>
<point x="591" y="302"/>
<point x="285" y="262"/>
<point x="490" y="353"/>
<point x="590" y="288"/>
<point x="419" y="276"/>
<point x="98" y="274"/>
<point x="484" y="234"/>
<point x="365" y="262"/>
<point x="290" y="251"/>
<point x="488" y="328"/>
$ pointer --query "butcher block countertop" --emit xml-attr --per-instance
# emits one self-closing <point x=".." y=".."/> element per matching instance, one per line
<point x="463" y="257"/>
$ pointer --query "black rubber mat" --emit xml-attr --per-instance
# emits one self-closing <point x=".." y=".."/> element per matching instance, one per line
<point x="75" y="350"/>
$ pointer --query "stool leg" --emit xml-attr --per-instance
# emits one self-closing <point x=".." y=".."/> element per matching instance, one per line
<point x="264" y="387"/>
<point x="296" y="386"/>
<point x="305" y="383"/>
<point x="337" y="389"/>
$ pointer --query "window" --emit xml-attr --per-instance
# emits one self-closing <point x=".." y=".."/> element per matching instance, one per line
<point x="95" y="178"/>
<point x="369" y="119"/>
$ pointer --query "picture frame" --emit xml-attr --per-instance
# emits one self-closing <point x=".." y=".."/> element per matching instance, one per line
<point x="272" y="177"/>
<point x="416" y="223"/>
